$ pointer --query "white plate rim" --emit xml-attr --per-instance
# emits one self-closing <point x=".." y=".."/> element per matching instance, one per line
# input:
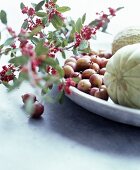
<point x="122" y="114"/>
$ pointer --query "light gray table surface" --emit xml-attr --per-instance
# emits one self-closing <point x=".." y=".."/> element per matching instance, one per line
<point x="67" y="137"/>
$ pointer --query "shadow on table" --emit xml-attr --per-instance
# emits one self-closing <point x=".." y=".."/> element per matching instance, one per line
<point x="91" y="130"/>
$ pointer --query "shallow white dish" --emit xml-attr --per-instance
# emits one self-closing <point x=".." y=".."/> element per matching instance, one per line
<point x="107" y="109"/>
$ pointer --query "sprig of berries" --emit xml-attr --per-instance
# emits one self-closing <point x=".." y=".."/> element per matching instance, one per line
<point x="35" y="49"/>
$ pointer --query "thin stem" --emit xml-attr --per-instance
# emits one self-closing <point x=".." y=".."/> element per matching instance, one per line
<point x="67" y="48"/>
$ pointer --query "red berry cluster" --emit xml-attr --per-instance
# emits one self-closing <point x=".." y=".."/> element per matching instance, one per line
<point x="103" y="17"/>
<point x="7" y="74"/>
<point x="31" y="14"/>
<point x="87" y="31"/>
<point x="51" y="10"/>
<point x="51" y="70"/>
<point x="11" y="32"/>
<point x="28" y="50"/>
<point x="112" y="11"/>
<point x="66" y="85"/>
<point x="85" y="34"/>
<point x="32" y="25"/>
<point x="29" y="11"/>
<point x="52" y="49"/>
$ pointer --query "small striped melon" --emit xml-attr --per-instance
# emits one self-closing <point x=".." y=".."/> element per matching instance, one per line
<point x="128" y="36"/>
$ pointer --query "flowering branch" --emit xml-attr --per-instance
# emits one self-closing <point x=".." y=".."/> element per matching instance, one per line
<point x="34" y="50"/>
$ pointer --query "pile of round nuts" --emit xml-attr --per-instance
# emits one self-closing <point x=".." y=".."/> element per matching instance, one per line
<point x="88" y="71"/>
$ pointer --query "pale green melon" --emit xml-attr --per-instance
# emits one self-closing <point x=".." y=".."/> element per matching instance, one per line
<point x="125" y="37"/>
<point x="122" y="76"/>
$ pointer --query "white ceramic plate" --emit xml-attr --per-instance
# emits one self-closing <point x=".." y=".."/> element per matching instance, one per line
<point x="107" y="109"/>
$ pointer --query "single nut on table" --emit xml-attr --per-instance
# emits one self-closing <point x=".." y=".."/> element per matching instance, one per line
<point x="84" y="85"/>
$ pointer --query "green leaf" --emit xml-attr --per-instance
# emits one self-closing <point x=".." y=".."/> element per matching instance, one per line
<point x="83" y="45"/>
<point x="39" y="5"/>
<point x="0" y="35"/>
<point x="44" y="91"/>
<point x="60" y="97"/>
<point x="119" y="8"/>
<point x="83" y="18"/>
<point x="23" y="76"/>
<point x="17" y="61"/>
<point x="22" y="5"/>
<point x="71" y="36"/>
<point x="29" y="106"/>
<point x="78" y="25"/>
<point x="64" y="43"/>
<point x="36" y="30"/>
<point x="45" y="20"/>
<point x="57" y="22"/>
<point x="41" y="14"/>
<point x="63" y="9"/>
<point x="51" y="62"/>
<point x="33" y="5"/>
<point x="60" y="71"/>
<point x="34" y="40"/>
<point x="9" y="41"/>
<point x="75" y="51"/>
<point x="63" y="54"/>
<point x="7" y="50"/>
<point x="25" y="25"/>
<point x="40" y="48"/>
<point x="54" y="1"/>
<point x="17" y="81"/>
<point x="104" y="27"/>
<point x="94" y="22"/>
<point x="6" y="84"/>
<point x="49" y="99"/>
<point x="3" y="17"/>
